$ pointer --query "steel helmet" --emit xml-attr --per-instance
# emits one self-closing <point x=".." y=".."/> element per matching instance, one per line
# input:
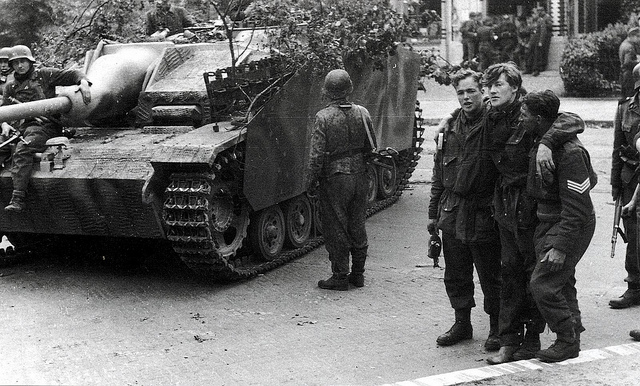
<point x="21" y="52"/>
<point x="337" y="84"/>
<point x="4" y="53"/>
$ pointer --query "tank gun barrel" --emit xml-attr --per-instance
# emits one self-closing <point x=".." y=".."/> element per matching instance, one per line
<point x="57" y="105"/>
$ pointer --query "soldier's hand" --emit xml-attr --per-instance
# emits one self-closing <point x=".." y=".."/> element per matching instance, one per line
<point x="628" y="209"/>
<point x="85" y="90"/>
<point x="555" y="258"/>
<point x="6" y="129"/>
<point x="544" y="162"/>
<point x="432" y="227"/>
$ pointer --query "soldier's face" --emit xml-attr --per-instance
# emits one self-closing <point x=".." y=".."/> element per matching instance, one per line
<point x="501" y="93"/>
<point x="528" y="121"/>
<point x="469" y="96"/>
<point x="21" y="66"/>
<point x="4" y="64"/>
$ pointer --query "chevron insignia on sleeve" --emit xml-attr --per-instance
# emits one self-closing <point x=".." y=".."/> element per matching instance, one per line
<point x="579" y="187"/>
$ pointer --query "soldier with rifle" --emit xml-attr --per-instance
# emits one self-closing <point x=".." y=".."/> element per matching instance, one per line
<point x="624" y="178"/>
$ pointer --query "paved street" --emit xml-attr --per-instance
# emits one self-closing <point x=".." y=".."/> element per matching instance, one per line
<point x="72" y="320"/>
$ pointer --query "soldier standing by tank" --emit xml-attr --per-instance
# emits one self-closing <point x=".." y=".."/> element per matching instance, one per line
<point x="624" y="179"/>
<point x="32" y="84"/>
<point x="167" y="19"/>
<point x="469" y="37"/>
<point x="5" y="69"/>
<point x="628" y="55"/>
<point x="460" y="205"/>
<point x="567" y="223"/>
<point x="342" y="136"/>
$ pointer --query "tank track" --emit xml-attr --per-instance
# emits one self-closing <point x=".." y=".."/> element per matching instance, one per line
<point x="199" y="240"/>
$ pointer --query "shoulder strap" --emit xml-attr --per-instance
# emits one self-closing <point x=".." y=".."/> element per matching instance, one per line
<point x="372" y="142"/>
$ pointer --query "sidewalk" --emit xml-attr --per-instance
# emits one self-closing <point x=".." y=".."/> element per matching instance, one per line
<point x="439" y="100"/>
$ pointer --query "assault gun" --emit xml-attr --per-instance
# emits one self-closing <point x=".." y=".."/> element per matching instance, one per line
<point x="617" y="214"/>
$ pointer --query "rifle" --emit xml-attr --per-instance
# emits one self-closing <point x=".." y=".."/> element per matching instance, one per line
<point x="617" y="214"/>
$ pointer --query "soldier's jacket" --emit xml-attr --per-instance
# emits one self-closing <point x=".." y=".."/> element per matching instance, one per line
<point x="468" y="30"/>
<point x="462" y="182"/>
<point x="624" y="159"/>
<point x="563" y="198"/>
<point x="513" y="208"/>
<point x="339" y="141"/>
<point x="175" y="19"/>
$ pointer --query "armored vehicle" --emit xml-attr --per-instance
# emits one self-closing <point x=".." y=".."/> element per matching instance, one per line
<point x="174" y="147"/>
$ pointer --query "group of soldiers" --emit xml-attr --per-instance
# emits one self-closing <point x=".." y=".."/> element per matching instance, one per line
<point x="524" y="40"/>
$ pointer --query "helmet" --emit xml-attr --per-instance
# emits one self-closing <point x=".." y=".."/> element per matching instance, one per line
<point x="21" y="52"/>
<point x="4" y="53"/>
<point x="337" y="84"/>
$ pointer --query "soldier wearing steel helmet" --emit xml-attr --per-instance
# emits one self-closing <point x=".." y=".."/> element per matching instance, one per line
<point x="342" y="135"/>
<point x="32" y="84"/>
<point x="624" y="178"/>
<point x="5" y="69"/>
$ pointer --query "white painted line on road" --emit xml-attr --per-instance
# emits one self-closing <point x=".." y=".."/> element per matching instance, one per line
<point x="480" y="373"/>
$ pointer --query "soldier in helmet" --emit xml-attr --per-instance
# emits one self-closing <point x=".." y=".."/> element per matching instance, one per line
<point x="32" y="84"/>
<point x="5" y="69"/>
<point x="624" y="179"/>
<point x="342" y="136"/>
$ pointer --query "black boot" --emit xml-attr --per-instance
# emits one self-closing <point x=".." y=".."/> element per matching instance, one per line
<point x="461" y="329"/>
<point x="529" y="347"/>
<point x="565" y="347"/>
<point x="337" y="282"/>
<point x="17" y="203"/>
<point x="630" y="297"/>
<point x="358" y="259"/>
<point x="492" y="343"/>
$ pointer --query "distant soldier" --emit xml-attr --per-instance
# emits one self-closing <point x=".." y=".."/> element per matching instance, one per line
<point x="468" y="29"/>
<point x="5" y="68"/>
<point x="342" y="135"/>
<point x="486" y="44"/>
<point x="507" y="33"/>
<point x="167" y="19"/>
<point x="625" y="161"/>
<point x="540" y="41"/>
<point x="628" y="55"/>
<point x="32" y="84"/>
<point x="567" y="223"/>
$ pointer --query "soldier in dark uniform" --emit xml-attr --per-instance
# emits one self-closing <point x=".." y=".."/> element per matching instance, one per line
<point x="5" y="69"/>
<point x="486" y="44"/>
<point x="341" y="137"/>
<point x="567" y="223"/>
<point x="628" y="55"/>
<point x="507" y="33"/>
<point x="540" y="42"/>
<point x="469" y="37"/>
<point x="167" y="17"/>
<point x="32" y="84"/>
<point x="624" y="179"/>
<point x="460" y="205"/>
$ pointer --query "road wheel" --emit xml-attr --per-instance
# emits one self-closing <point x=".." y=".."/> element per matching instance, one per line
<point x="387" y="178"/>
<point x="372" y="177"/>
<point x="267" y="232"/>
<point x="298" y="219"/>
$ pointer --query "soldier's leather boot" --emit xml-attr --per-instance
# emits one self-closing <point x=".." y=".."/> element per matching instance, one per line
<point x="529" y="347"/>
<point x="337" y="282"/>
<point x="504" y="355"/>
<point x="461" y="329"/>
<point x="358" y="259"/>
<point x="630" y="297"/>
<point x="565" y="347"/>
<point x="17" y="203"/>
<point x="635" y="334"/>
<point x="493" y="342"/>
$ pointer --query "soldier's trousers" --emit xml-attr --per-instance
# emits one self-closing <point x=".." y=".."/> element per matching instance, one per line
<point x="343" y="204"/>
<point x="555" y="292"/>
<point x="36" y="135"/>
<point x="631" y="261"/>
<point x="459" y="260"/>
<point x="517" y="307"/>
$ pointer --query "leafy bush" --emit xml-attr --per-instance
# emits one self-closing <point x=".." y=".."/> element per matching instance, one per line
<point x="590" y="64"/>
